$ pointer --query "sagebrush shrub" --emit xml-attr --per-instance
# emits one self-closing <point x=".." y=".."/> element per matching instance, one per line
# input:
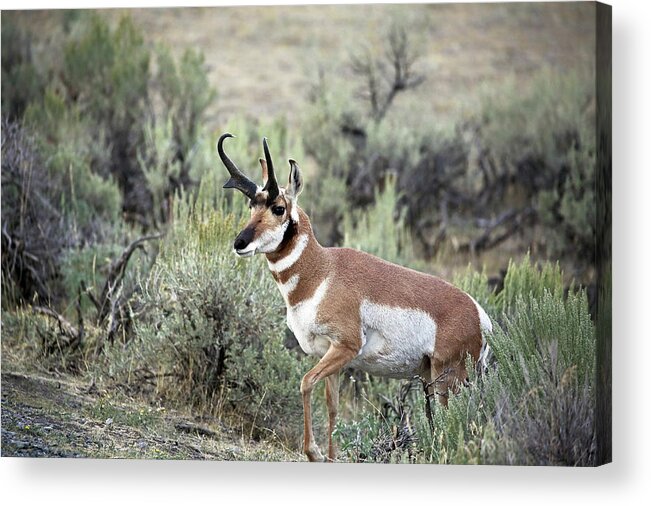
<point x="380" y="229"/>
<point x="212" y="334"/>
<point x="543" y="137"/>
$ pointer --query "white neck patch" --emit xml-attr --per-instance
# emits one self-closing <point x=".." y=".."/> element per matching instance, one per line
<point x="302" y="321"/>
<point x="289" y="287"/>
<point x="286" y="262"/>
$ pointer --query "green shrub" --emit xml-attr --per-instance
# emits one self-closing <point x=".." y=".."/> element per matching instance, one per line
<point x="552" y="424"/>
<point x="186" y="93"/>
<point x="518" y="167"/>
<point x="380" y="229"/>
<point x="329" y="110"/>
<point x="93" y="138"/>
<point x="22" y="83"/>
<point x="326" y="193"/>
<point x="175" y="147"/>
<point x="529" y="281"/>
<point x="475" y="283"/>
<point x="357" y="439"/>
<point x="106" y="74"/>
<point x="89" y="199"/>
<point x="161" y="167"/>
<point x="212" y="332"/>
<point x="569" y="210"/>
<point x="543" y="137"/>
<point x="545" y="356"/>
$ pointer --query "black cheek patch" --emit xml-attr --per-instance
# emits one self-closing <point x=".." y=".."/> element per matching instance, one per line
<point x="291" y="231"/>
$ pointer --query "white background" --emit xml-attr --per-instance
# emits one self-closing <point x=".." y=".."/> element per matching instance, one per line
<point x="627" y="480"/>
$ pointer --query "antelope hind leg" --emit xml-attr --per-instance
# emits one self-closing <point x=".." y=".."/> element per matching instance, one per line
<point x="447" y="378"/>
<point x="332" y="400"/>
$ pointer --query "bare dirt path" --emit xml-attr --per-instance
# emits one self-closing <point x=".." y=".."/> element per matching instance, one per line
<point x="52" y="417"/>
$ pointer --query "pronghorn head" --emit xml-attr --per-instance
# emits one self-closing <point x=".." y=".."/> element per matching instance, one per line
<point x="274" y="211"/>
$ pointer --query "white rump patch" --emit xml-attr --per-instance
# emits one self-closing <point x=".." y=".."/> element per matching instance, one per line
<point x="486" y="327"/>
<point x="301" y="319"/>
<point x="484" y="320"/>
<point x="394" y="340"/>
<point x="293" y="256"/>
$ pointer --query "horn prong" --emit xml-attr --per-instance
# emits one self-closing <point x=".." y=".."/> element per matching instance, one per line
<point x="265" y="174"/>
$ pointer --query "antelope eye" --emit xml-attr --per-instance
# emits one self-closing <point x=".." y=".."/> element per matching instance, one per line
<point x="278" y="210"/>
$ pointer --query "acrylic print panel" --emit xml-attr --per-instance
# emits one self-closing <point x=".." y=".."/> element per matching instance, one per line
<point x="171" y="292"/>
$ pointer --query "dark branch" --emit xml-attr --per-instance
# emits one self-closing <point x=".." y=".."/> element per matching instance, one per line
<point x="512" y="220"/>
<point x="397" y="72"/>
<point x="66" y="329"/>
<point x="116" y="274"/>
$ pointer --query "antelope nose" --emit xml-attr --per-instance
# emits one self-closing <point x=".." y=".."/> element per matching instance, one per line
<point x="239" y="243"/>
<point x="244" y="239"/>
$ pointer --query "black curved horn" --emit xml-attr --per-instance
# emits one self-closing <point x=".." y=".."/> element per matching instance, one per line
<point x="272" y="185"/>
<point x="238" y="180"/>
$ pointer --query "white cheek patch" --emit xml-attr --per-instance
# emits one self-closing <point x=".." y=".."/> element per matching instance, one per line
<point x="269" y="241"/>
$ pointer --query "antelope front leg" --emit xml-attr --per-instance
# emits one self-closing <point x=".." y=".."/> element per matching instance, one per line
<point x="332" y="400"/>
<point x="332" y="362"/>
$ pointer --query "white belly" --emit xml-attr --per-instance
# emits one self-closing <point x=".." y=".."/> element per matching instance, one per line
<point x="394" y="340"/>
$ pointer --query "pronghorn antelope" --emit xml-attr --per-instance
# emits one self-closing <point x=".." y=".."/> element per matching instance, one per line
<point x="352" y="309"/>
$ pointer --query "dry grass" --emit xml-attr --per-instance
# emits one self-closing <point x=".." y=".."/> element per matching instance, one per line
<point x="263" y="60"/>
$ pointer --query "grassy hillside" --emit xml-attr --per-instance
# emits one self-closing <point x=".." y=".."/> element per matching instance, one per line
<point x="263" y="60"/>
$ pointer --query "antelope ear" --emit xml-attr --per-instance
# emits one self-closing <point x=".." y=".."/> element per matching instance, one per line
<point x="295" y="186"/>
<point x="265" y="171"/>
